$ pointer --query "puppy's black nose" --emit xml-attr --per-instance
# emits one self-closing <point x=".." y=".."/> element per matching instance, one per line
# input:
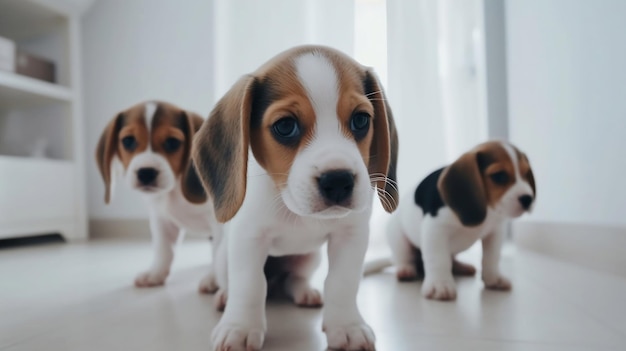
<point x="336" y="186"/>
<point x="147" y="176"/>
<point x="526" y="201"/>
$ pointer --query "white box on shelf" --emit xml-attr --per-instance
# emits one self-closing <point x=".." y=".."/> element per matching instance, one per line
<point x="7" y="54"/>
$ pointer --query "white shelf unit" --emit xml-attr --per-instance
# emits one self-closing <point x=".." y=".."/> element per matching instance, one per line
<point x="42" y="195"/>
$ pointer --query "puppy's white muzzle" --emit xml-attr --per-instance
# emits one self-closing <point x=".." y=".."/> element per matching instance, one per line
<point x="150" y="173"/>
<point x="328" y="180"/>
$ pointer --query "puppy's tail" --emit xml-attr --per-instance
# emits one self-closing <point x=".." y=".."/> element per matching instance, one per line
<point x="376" y="265"/>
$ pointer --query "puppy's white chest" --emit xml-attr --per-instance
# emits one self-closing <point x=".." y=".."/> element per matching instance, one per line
<point x="297" y="238"/>
<point x="175" y="207"/>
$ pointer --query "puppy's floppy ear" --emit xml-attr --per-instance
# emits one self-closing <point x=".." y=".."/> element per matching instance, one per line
<point x="106" y="149"/>
<point x="191" y="184"/>
<point x="462" y="188"/>
<point x="531" y="177"/>
<point x="531" y="182"/>
<point x="220" y="151"/>
<point x="384" y="148"/>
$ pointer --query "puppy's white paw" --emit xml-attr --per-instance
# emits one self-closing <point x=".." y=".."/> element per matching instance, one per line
<point x="153" y="277"/>
<point x="406" y="272"/>
<point x="302" y="293"/>
<point x="439" y="289"/>
<point x="308" y="298"/>
<point x="497" y="282"/>
<point x="208" y="284"/>
<point x="358" y="336"/>
<point x="220" y="299"/>
<point x="234" y="337"/>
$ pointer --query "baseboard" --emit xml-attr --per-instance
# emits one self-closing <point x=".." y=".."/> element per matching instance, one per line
<point x="126" y="228"/>
<point x="594" y="246"/>
<point x="119" y="228"/>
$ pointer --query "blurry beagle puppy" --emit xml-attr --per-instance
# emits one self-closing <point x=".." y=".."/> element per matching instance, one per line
<point x="471" y="199"/>
<point x="149" y="147"/>
<point x="292" y="156"/>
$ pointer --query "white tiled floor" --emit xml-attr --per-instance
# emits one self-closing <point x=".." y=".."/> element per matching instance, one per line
<point x="80" y="297"/>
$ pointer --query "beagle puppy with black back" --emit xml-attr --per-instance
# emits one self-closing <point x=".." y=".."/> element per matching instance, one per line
<point x="472" y="199"/>
<point x="149" y="147"/>
<point x="292" y="156"/>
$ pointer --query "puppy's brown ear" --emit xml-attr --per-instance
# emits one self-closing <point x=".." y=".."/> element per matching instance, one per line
<point x="462" y="188"/>
<point x="106" y="149"/>
<point x="530" y="177"/>
<point x="384" y="148"/>
<point x="220" y="149"/>
<point x="192" y="186"/>
<point x="531" y="182"/>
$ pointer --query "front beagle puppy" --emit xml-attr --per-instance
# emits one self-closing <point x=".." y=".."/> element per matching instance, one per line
<point x="149" y="146"/>
<point x="471" y="199"/>
<point x="292" y="155"/>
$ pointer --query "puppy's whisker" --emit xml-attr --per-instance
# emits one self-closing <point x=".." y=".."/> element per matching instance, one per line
<point x="374" y="177"/>
<point x="387" y="182"/>
<point x="374" y="93"/>
<point x="386" y="200"/>
<point x="390" y="200"/>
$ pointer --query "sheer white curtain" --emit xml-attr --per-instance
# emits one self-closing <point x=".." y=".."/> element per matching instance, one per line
<point x="436" y="81"/>
<point x="414" y="87"/>
<point x="249" y="32"/>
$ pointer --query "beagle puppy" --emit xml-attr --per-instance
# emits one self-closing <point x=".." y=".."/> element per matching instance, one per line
<point x="149" y="146"/>
<point x="471" y="199"/>
<point x="292" y="156"/>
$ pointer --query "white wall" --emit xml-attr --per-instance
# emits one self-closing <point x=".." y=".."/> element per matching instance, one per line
<point x="567" y="104"/>
<point x="137" y="50"/>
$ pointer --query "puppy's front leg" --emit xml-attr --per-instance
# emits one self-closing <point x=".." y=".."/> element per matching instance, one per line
<point x="164" y="237"/>
<point x="208" y="284"/>
<point x="345" y="328"/>
<point x="438" y="281"/>
<point x="243" y="325"/>
<point x="492" y="245"/>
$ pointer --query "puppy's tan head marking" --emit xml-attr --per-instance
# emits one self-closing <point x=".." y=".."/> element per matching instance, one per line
<point x="151" y="140"/>
<point x="485" y="177"/>
<point x="277" y="112"/>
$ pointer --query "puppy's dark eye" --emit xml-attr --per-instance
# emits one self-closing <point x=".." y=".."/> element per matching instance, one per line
<point x="360" y="124"/>
<point x="500" y="178"/>
<point x="286" y="130"/>
<point x="129" y="143"/>
<point x="171" y="145"/>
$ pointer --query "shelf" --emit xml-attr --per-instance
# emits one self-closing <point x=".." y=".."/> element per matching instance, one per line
<point x="9" y="160"/>
<point x="20" y="90"/>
